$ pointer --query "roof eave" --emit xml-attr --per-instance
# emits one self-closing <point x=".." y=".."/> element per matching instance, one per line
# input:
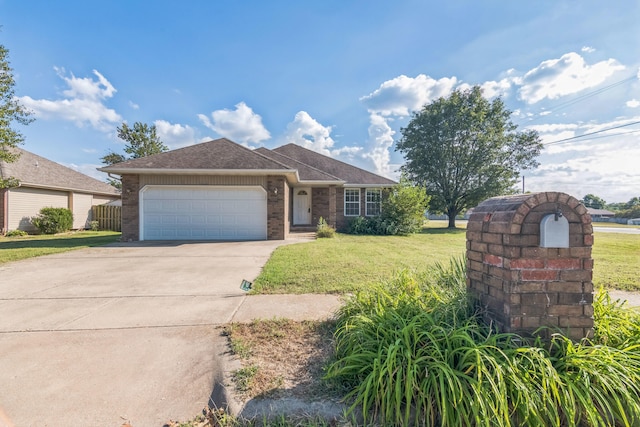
<point x="351" y="185"/>
<point x="291" y="173"/>
<point x="320" y="183"/>
<point x="75" y="190"/>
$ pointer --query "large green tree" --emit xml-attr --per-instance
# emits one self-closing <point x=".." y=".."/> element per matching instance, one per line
<point x="142" y="140"/>
<point x="464" y="149"/>
<point x="593" y="201"/>
<point x="11" y="110"/>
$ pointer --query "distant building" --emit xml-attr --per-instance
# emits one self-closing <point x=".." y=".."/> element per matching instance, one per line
<point x="600" y="214"/>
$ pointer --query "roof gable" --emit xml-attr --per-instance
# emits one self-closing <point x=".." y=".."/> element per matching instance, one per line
<point x="219" y="154"/>
<point x="346" y="172"/>
<point x="306" y="172"/>
<point x="33" y="170"/>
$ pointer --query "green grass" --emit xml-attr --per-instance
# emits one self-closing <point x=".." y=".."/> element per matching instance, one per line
<point x="613" y="225"/>
<point x="17" y="248"/>
<point x="347" y="263"/>
<point x="616" y="261"/>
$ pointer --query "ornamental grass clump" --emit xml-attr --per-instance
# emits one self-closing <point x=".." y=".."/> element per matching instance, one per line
<point x="412" y="351"/>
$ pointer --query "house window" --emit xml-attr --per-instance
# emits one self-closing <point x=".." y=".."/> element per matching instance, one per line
<point x="351" y="202"/>
<point x="374" y="202"/>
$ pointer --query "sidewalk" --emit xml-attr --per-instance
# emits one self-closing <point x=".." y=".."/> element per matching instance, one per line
<point x="294" y="307"/>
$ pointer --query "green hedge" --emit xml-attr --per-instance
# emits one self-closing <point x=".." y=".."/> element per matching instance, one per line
<point x="53" y="220"/>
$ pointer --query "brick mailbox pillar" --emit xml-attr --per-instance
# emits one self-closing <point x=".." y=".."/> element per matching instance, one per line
<point x="529" y="263"/>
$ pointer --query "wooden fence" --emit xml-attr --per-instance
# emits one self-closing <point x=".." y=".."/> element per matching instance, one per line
<point x="108" y="217"/>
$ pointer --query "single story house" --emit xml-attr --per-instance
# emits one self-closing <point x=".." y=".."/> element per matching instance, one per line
<point x="43" y="183"/>
<point x="220" y="190"/>
<point x="600" y="214"/>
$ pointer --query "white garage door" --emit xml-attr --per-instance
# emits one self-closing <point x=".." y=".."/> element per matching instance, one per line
<point x="203" y="213"/>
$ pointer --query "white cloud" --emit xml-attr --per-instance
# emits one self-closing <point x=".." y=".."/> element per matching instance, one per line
<point x="633" y="103"/>
<point x="240" y="125"/>
<point x="305" y="131"/>
<point x="402" y="95"/>
<point x="553" y="127"/>
<point x="380" y="142"/>
<point x="175" y="135"/>
<point x="84" y="102"/>
<point x="492" y="89"/>
<point x="134" y="105"/>
<point x="569" y="74"/>
<point x="587" y="49"/>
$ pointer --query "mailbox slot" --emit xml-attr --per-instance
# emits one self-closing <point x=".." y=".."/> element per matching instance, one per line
<point x="554" y="231"/>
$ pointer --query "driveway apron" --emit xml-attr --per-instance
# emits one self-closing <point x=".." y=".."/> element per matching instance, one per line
<point x="124" y="332"/>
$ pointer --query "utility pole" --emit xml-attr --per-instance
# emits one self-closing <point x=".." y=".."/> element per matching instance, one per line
<point x="522" y="184"/>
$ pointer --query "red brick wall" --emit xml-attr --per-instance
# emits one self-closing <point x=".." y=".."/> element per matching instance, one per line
<point x="320" y="200"/>
<point x="277" y="211"/>
<point x="522" y="285"/>
<point x="3" y="210"/>
<point x="130" y="208"/>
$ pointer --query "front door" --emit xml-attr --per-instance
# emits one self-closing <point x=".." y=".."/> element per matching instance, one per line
<point x="301" y="206"/>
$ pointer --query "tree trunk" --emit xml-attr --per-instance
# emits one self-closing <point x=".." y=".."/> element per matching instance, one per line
<point x="451" y="213"/>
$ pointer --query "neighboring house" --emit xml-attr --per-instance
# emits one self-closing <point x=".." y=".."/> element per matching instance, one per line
<point x="600" y="214"/>
<point x="220" y="190"/>
<point x="43" y="183"/>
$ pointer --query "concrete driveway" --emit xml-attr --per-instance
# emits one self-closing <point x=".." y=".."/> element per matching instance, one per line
<point x="119" y="333"/>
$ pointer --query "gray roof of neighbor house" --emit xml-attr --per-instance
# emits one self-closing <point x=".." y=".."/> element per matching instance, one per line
<point x="346" y="172"/>
<point x="594" y="211"/>
<point x="220" y="155"/>
<point x="36" y="171"/>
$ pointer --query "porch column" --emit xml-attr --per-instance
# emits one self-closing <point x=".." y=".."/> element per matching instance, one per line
<point x="332" y="206"/>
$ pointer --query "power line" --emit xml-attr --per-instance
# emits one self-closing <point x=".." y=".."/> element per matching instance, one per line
<point x="581" y="98"/>
<point x="593" y="133"/>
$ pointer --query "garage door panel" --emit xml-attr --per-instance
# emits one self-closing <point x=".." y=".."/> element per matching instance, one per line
<point x="182" y="213"/>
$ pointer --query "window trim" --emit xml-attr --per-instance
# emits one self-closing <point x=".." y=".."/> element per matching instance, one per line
<point x="352" y="202"/>
<point x="378" y="202"/>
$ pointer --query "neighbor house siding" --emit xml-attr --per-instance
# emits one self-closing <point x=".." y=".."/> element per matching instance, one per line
<point x="202" y="180"/>
<point x="24" y="203"/>
<point x="81" y="208"/>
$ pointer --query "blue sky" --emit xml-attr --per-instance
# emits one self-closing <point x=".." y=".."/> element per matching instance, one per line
<point x="339" y="77"/>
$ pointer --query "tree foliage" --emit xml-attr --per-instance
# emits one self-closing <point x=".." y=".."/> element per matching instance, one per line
<point x="401" y="214"/>
<point x="142" y="140"/>
<point x="10" y="111"/>
<point x="464" y="149"/>
<point x="593" y="201"/>
<point x="403" y="208"/>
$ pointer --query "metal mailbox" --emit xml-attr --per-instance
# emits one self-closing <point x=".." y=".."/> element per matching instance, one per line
<point x="554" y="231"/>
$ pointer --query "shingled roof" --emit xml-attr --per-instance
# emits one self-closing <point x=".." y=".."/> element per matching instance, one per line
<point x="225" y="156"/>
<point x="346" y="172"/>
<point x="306" y="172"/>
<point x="219" y="154"/>
<point x="36" y="171"/>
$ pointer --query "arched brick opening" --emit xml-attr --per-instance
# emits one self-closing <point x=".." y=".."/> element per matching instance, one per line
<point x="521" y="285"/>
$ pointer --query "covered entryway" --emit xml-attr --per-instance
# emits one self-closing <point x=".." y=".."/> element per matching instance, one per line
<point x="301" y="206"/>
<point x="203" y="213"/>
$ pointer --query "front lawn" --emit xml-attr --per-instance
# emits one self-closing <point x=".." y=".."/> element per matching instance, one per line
<point x="17" y="248"/>
<point x="346" y="263"/>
